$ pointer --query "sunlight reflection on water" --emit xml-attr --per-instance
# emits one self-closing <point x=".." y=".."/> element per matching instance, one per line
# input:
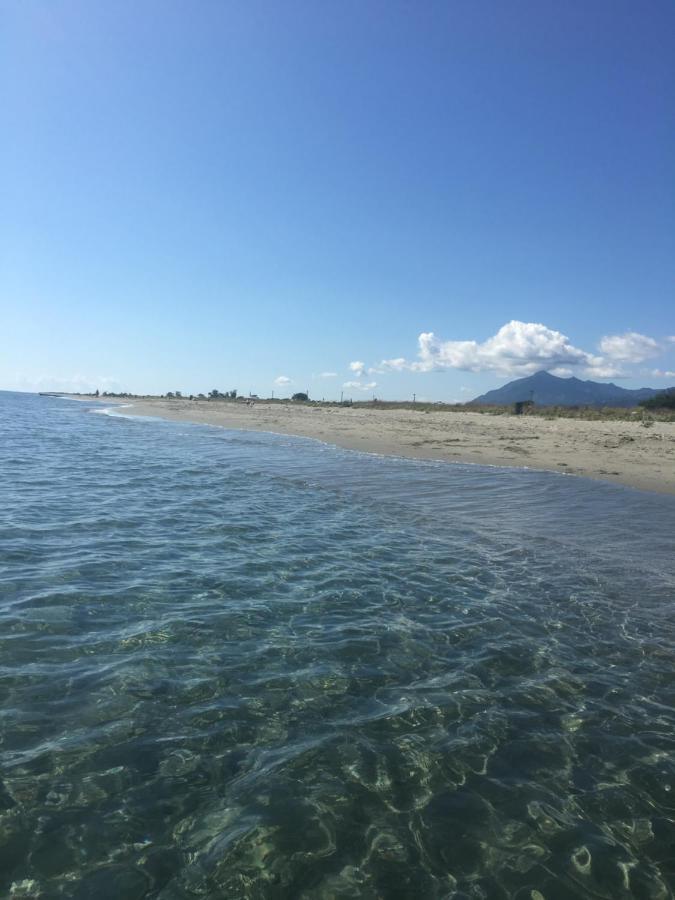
<point x="238" y="665"/>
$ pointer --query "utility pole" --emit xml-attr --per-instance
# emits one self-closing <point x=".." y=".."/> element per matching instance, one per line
<point x="272" y="395"/>
<point x="414" y="395"/>
<point x="342" y="393"/>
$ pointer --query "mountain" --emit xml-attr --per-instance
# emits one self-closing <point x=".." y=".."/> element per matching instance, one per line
<point x="549" y="390"/>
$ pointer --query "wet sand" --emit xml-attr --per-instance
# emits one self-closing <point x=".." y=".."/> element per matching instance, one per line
<point x="625" y="452"/>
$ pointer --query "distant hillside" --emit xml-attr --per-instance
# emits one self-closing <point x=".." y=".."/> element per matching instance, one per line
<point x="549" y="390"/>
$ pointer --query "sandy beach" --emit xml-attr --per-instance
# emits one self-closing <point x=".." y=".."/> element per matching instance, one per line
<point x="624" y="452"/>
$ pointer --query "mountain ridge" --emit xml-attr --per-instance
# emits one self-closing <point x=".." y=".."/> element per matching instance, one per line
<point x="550" y="390"/>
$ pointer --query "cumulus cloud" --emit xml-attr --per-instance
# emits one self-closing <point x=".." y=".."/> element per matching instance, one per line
<point x="360" y="386"/>
<point x="630" y="347"/>
<point x="395" y="365"/>
<point x="660" y="373"/>
<point x="603" y="370"/>
<point x="282" y="380"/>
<point x="523" y="348"/>
<point x="357" y="367"/>
<point x="518" y="348"/>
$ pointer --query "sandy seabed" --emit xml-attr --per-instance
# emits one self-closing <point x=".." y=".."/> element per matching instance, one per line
<point x="624" y="452"/>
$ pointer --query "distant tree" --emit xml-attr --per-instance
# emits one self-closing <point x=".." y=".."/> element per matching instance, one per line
<point x="300" y="396"/>
<point x="664" y="400"/>
<point x="96" y="393"/>
<point x="169" y="395"/>
<point x="201" y="397"/>
<point x="178" y="395"/>
<point x="214" y="394"/>
<point x="233" y="394"/>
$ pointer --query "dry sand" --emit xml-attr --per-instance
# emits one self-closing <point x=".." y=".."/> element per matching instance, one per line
<point x="624" y="452"/>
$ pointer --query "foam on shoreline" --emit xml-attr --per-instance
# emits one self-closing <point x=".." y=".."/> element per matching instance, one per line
<point x="616" y="451"/>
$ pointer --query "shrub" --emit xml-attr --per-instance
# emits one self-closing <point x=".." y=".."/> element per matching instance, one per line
<point x="665" y="400"/>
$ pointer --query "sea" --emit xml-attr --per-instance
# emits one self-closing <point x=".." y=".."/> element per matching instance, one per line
<point x="245" y="665"/>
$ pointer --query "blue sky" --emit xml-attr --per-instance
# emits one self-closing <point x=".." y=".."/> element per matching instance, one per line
<point x="230" y="194"/>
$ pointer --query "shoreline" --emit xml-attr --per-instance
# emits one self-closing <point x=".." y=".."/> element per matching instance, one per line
<point x="620" y="452"/>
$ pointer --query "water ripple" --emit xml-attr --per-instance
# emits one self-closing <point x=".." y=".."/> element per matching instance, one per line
<point x="248" y="666"/>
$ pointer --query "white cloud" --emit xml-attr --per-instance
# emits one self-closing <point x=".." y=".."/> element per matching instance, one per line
<point x="68" y="384"/>
<point x="396" y="365"/>
<point x="357" y="367"/>
<point x="523" y="348"/>
<point x="659" y="373"/>
<point x="282" y="380"/>
<point x="360" y="386"/>
<point x="518" y="348"/>
<point x="601" y="370"/>
<point x="328" y="375"/>
<point x="671" y="338"/>
<point x="630" y="347"/>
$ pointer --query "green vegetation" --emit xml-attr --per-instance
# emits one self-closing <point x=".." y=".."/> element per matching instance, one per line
<point x="664" y="401"/>
<point x="589" y="413"/>
<point x="216" y="395"/>
<point x="657" y="409"/>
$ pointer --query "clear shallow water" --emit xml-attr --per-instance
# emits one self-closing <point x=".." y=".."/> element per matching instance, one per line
<point x="241" y="665"/>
